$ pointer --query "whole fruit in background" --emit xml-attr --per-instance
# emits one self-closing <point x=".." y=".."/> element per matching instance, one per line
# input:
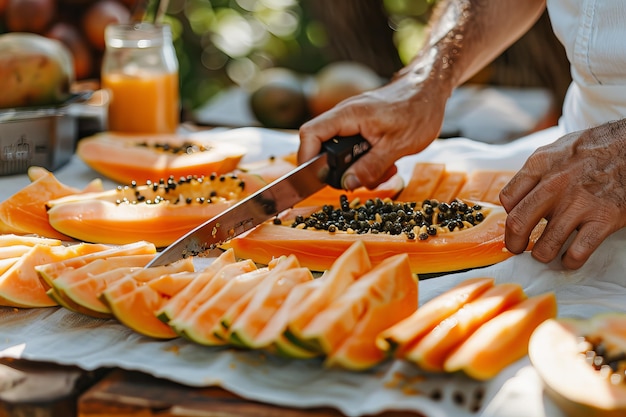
<point x="34" y="70"/>
<point x="78" y="46"/>
<point x="98" y="16"/>
<point x="338" y="81"/>
<point x="29" y="15"/>
<point x="278" y="99"/>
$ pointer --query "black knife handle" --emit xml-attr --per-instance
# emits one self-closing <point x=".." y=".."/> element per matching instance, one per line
<point x="341" y="153"/>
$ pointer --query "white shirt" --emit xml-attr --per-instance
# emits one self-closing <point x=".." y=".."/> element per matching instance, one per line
<point x="593" y="33"/>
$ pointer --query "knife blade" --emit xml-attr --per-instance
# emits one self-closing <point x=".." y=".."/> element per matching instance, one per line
<point x="283" y="193"/>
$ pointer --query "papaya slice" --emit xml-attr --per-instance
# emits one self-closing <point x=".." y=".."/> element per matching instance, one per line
<point x="424" y="180"/>
<point x="6" y="263"/>
<point x="11" y="239"/>
<point x="20" y="285"/>
<point x="51" y="271"/>
<point x="502" y="340"/>
<point x="199" y="326"/>
<point x="25" y="211"/>
<point x="267" y="299"/>
<point x="404" y="334"/>
<point x="125" y="158"/>
<point x="499" y="180"/>
<point x="390" y="284"/>
<point x="178" y="302"/>
<point x="329" y="195"/>
<point x="449" y="186"/>
<point x="181" y="320"/>
<point x="158" y="212"/>
<point x="346" y="330"/>
<point x="79" y="288"/>
<point x="208" y="324"/>
<point x="433" y="349"/>
<point x="271" y="337"/>
<point x="134" y="304"/>
<point x="347" y="268"/>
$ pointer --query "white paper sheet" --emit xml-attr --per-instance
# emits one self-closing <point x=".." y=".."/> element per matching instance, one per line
<point x="60" y="336"/>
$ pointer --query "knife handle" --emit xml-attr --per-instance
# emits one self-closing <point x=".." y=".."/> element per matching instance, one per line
<point x="341" y="153"/>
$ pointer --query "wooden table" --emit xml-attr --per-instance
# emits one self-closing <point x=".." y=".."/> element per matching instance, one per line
<point x="49" y="390"/>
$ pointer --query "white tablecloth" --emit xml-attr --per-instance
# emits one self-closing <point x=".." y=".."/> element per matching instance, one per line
<point x="57" y="335"/>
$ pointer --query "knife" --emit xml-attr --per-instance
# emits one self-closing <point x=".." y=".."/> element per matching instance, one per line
<point x="326" y="168"/>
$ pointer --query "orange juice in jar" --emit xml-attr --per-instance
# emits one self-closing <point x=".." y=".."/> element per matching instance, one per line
<point x="140" y="73"/>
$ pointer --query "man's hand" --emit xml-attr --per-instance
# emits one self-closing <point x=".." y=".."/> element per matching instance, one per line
<point x="577" y="183"/>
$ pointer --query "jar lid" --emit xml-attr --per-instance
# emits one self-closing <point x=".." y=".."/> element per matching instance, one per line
<point x="137" y="35"/>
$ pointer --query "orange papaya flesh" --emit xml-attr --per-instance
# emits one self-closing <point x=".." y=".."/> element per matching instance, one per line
<point x="181" y="320"/>
<point x="502" y="340"/>
<point x="469" y="247"/>
<point x="158" y="212"/>
<point x="20" y="285"/>
<point x="6" y="263"/>
<point x="398" y="338"/>
<point x="11" y="239"/>
<point x="271" y="335"/>
<point x="329" y="195"/>
<point x="347" y="267"/>
<point x="124" y="158"/>
<point x="134" y="304"/>
<point x="423" y="181"/>
<point x="80" y="287"/>
<point x="25" y="211"/>
<point x="84" y="296"/>
<point x="389" y="283"/>
<point x="267" y="299"/>
<point x="171" y="284"/>
<point x="14" y="251"/>
<point x="177" y="302"/>
<point x="230" y="292"/>
<point x="449" y="186"/>
<point x="500" y="179"/>
<point x="269" y="169"/>
<point x="565" y="353"/>
<point x="359" y="350"/>
<point x="50" y="271"/>
<point x="199" y="326"/>
<point x="431" y="351"/>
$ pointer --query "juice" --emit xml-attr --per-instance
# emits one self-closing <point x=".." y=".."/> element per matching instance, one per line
<point x="144" y="102"/>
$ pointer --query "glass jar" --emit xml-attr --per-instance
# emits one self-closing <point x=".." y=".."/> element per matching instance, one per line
<point x="140" y="73"/>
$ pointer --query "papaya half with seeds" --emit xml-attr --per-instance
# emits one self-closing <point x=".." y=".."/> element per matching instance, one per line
<point x="581" y="363"/>
<point x="386" y="228"/>
<point x="158" y="212"/>
<point x="124" y="158"/>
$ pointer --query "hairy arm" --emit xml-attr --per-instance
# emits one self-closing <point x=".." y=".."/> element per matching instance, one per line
<point x="405" y="116"/>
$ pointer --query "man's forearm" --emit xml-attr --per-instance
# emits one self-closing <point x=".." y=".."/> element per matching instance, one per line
<point x="466" y="35"/>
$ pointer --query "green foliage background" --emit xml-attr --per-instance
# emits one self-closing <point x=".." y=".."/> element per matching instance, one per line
<point x="227" y="42"/>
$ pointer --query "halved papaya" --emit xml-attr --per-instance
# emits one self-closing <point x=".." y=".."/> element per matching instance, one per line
<point x="502" y="340"/>
<point x="581" y="363"/>
<point x="158" y="212"/>
<point x="126" y="158"/>
<point x="433" y="349"/>
<point x="134" y="304"/>
<point x="177" y="302"/>
<point x="398" y="338"/>
<point x="469" y="247"/>
<point x="20" y="285"/>
<point x="346" y="268"/>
